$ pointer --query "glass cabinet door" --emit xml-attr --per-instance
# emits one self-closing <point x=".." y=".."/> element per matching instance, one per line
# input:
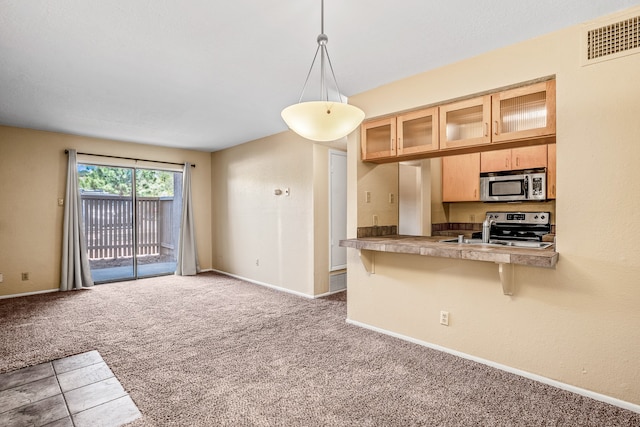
<point x="418" y="132"/>
<point x="524" y="112"/>
<point x="465" y="123"/>
<point x="378" y="139"/>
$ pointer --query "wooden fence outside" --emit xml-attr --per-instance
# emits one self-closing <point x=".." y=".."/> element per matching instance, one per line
<point x="108" y="225"/>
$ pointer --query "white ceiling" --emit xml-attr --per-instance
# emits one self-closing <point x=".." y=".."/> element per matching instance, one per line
<point x="210" y="74"/>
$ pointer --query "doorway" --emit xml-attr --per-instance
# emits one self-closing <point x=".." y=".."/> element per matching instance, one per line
<point x="131" y="220"/>
<point x="337" y="209"/>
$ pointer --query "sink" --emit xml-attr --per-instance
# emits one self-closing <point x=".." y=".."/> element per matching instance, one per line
<point x="498" y="243"/>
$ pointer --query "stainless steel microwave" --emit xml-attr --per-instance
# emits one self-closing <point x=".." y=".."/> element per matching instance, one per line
<point x="511" y="186"/>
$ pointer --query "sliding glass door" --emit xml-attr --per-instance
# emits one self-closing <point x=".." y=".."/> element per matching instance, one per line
<point x="131" y="220"/>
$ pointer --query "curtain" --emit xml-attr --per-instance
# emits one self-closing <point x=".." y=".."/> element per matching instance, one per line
<point x="75" y="271"/>
<point x="187" y="262"/>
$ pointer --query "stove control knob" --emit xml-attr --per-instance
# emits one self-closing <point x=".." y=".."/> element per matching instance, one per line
<point x="542" y="217"/>
<point x="535" y="217"/>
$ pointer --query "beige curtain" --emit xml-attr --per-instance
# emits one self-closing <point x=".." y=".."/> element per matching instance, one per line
<point x="75" y="271"/>
<point x="187" y="262"/>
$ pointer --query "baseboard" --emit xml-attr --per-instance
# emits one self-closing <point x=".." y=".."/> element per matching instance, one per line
<point x="266" y="285"/>
<point x="326" y="294"/>
<point x="29" y="293"/>
<point x="568" y="387"/>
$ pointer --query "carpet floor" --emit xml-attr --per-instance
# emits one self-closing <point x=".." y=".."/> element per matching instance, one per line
<point x="212" y="350"/>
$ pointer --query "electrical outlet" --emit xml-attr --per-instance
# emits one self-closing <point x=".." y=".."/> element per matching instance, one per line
<point x="375" y="220"/>
<point x="472" y="218"/>
<point x="1" y="277"/>
<point x="25" y="276"/>
<point x="367" y="196"/>
<point x="60" y="202"/>
<point x="391" y="198"/>
<point x="444" y="318"/>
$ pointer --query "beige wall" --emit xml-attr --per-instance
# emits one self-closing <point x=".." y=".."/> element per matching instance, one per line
<point x="33" y="177"/>
<point x="578" y="323"/>
<point x="287" y="236"/>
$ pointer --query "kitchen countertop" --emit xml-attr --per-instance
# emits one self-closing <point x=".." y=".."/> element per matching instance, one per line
<point x="431" y="246"/>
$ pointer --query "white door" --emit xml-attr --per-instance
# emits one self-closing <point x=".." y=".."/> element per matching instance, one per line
<point x="337" y="208"/>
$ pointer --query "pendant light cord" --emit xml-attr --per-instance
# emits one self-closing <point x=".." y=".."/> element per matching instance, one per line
<point x="322" y="44"/>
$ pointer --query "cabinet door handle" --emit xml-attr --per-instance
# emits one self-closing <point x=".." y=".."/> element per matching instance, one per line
<point x="495" y="127"/>
<point x="475" y="193"/>
<point x="392" y="140"/>
<point x="506" y="163"/>
<point x="517" y="161"/>
<point x="486" y="129"/>
<point x="553" y="190"/>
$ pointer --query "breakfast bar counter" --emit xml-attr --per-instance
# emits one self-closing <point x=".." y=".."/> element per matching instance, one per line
<point x="505" y="257"/>
<point x="432" y="246"/>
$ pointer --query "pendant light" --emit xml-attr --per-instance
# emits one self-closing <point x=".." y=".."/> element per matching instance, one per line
<point x="322" y="120"/>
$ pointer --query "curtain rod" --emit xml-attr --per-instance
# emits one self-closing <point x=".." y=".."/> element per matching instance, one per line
<point x="129" y="158"/>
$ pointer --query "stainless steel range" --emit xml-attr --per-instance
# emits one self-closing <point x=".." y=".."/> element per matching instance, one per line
<point x="515" y="229"/>
<point x="519" y="226"/>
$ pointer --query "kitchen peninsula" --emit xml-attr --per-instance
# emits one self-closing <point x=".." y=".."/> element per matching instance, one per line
<point x="506" y="257"/>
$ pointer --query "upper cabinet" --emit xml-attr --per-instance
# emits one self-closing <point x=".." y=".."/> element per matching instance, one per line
<point x="524" y="112"/>
<point x="405" y="135"/>
<point x="461" y="178"/>
<point x="525" y="115"/>
<point x="417" y="132"/>
<point x="465" y="123"/>
<point x="514" y="159"/>
<point x="378" y="139"/>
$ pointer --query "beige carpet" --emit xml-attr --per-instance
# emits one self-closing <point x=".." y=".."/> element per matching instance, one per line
<point x="215" y="351"/>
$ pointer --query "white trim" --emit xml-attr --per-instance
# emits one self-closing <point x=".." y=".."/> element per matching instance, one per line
<point x="326" y="294"/>
<point x="568" y="387"/>
<point x="267" y="285"/>
<point x="29" y="293"/>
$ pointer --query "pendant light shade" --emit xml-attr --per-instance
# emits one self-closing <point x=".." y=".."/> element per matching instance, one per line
<point x="322" y="120"/>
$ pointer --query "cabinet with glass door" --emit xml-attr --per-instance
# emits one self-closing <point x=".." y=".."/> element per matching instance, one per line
<point x="524" y="112"/>
<point x="404" y="135"/>
<point x="465" y="123"/>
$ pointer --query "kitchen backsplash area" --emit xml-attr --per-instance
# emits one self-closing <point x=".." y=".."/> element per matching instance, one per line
<point x="455" y="229"/>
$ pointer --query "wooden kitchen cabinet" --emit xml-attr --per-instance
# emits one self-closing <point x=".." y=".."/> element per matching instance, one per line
<point x="551" y="171"/>
<point x="406" y="134"/>
<point x="524" y="112"/>
<point x="378" y="139"/>
<point x="461" y="178"/>
<point x="465" y="123"/>
<point x="417" y="132"/>
<point x="514" y="159"/>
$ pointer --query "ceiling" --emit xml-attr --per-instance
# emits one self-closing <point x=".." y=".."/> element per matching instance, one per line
<point x="210" y="74"/>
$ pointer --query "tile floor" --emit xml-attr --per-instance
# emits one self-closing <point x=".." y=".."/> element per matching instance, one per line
<point x="76" y="391"/>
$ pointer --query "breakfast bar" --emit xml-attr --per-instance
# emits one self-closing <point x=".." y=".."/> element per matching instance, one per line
<point x="506" y="257"/>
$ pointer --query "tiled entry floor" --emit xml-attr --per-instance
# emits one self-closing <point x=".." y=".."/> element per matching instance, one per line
<point x="75" y="391"/>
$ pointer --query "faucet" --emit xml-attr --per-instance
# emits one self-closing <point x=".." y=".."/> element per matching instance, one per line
<point x="486" y="228"/>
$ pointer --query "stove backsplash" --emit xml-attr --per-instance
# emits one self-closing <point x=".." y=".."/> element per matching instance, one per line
<point x="456" y="228"/>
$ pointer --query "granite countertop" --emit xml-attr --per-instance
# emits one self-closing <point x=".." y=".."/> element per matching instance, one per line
<point x="431" y="246"/>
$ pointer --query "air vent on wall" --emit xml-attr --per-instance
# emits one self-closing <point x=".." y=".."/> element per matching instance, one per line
<point x="616" y="37"/>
